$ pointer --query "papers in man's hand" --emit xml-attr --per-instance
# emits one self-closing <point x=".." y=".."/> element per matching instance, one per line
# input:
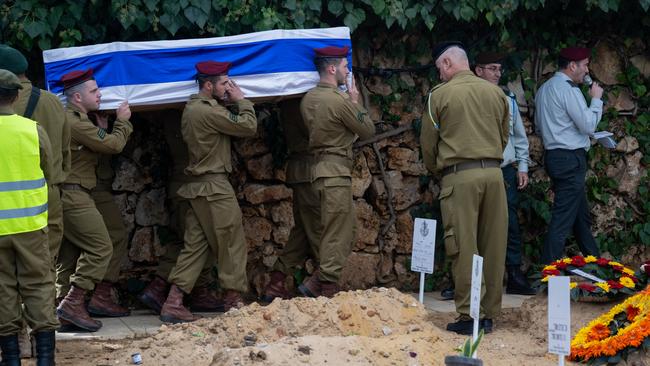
<point x="605" y="138"/>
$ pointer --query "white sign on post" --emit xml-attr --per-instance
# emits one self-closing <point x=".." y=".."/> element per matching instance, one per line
<point x="475" y="294"/>
<point x="424" y="245"/>
<point x="559" y="317"/>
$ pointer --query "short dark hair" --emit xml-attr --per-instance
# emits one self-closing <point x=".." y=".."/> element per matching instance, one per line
<point x="563" y="63"/>
<point x="202" y="79"/>
<point x="323" y="62"/>
<point x="7" y="96"/>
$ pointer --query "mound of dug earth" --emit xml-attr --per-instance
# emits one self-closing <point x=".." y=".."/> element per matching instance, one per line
<point x="372" y="327"/>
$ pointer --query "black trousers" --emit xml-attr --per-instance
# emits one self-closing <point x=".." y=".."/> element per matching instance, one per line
<point x="570" y="213"/>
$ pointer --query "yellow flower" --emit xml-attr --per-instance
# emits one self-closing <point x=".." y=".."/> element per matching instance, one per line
<point x="603" y="285"/>
<point x="614" y="264"/>
<point x="549" y="268"/>
<point x="545" y="279"/>
<point x="573" y="285"/>
<point x="628" y="271"/>
<point x="627" y="282"/>
<point x="567" y="260"/>
<point x="590" y="259"/>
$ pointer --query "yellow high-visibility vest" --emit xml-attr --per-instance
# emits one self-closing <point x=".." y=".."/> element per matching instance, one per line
<point x="23" y="190"/>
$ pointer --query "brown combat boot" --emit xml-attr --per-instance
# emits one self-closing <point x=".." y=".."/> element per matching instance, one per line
<point x="232" y="300"/>
<point x="153" y="296"/>
<point x="311" y="287"/>
<point x="73" y="309"/>
<point x="276" y="287"/>
<point x="329" y="289"/>
<point x="204" y="300"/>
<point x="102" y="303"/>
<point x="173" y="310"/>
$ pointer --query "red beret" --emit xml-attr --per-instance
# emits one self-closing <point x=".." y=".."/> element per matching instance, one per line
<point x="76" y="77"/>
<point x="485" y="58"/>
<point x="575" y="53"/>
<point x="331" y="51"/>
<point x="212" y="68"/>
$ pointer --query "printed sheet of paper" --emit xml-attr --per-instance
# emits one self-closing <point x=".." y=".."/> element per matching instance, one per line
<point x="559" y="316"/>
<point x="424" y="244"/>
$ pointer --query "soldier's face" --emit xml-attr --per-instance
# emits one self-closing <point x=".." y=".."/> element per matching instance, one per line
<point x="220" y="87"/>
<point x="90" y="96"/>
<point x="489" y="72"/>
<point x="581" y="69"/>
<point x="342" y="72"/>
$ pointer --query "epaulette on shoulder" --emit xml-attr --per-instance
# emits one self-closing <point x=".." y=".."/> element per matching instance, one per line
<point x="572" y="83"/>
<point x="437" y="86"/>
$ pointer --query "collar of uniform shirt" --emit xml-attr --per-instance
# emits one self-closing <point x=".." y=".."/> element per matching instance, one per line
<point x="6" y="110"/>
<point x="326" y="85"/>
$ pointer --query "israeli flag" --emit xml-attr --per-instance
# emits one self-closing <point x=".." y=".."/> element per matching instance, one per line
<point x="265" y="64"/>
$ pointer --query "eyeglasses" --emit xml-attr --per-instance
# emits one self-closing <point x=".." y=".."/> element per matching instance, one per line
<point x="493" y="69"/>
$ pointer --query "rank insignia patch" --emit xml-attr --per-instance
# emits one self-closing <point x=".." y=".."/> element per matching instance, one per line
<point x="233" y="117"/>
<point x="101" y="133"/>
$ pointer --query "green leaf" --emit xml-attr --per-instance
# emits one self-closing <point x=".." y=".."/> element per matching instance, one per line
<point x="335" y="7"/>
<point x="151" y="4"/>
<point x="489" y="16"/>
<point x="314" y="5"/>
<point x="55" y="16"/>
<point x="378" y="6"/>
<point x="410" y="13"/>
<point x="290" y="4"/>
<point x="45" y="43"/>
<point x="467" y="13"/>
<point x="204" y="5"/>
<point x="170" y="23"/>
<point x="645" y="4"/>
<point x="196" y="16"/>
<point x="34" y="29"/>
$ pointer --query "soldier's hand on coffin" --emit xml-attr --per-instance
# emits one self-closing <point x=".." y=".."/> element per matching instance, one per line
<point x="123" y="111"/>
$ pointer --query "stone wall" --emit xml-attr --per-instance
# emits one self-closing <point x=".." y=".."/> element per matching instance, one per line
<point x="142" y="170"/>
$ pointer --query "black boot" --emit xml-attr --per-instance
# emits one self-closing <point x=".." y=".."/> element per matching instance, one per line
<point x="10" y="350"/>
<point x="517" y="283"/>
<point x="45" y="342"/>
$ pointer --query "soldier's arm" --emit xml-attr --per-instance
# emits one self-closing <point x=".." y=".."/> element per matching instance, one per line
<point x="585" y="118"/>
<point x="45" y="151"/>
<point x="520" y="140"/>
<point x="65" y="142"/>
<point x="356" y="118"/>
<point x="429" y="135"/>
<point x="99" y="140"/>
<point x="243" y="124"/>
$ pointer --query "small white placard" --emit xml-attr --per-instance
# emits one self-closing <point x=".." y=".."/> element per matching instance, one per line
<point x="586" y="275"/>
<point x="475" y="295"/>
<point x="559" y="316"/>
<point x="605" y="138"/>
<point x="424" y="244"/>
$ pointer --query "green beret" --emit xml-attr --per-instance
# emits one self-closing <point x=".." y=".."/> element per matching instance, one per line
<point x="9" y="81"/>
<point x="11" y="59"/>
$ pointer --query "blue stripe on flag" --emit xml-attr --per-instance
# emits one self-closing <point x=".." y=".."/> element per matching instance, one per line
<point x="22" y="185"/>
<point x="14" y="213"/>
<point x="177" y="64"/>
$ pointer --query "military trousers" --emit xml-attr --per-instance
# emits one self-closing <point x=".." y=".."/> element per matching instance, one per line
<point x="338" y="224"/>
<point x="570" y="213"/>
<point x="513" y="252"/>
<point x="69" y="254"/>
<point x="475" y="219"/>
<point x="84" y="228"/>
<point x="213" y="227"/>
<point x="25" y="277"/>
<point x="178" y="208"/>
<point x="304" y="238"/>
<point x="54" y="227"/>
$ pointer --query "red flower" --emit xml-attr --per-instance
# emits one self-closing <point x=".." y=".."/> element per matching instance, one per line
<point x="646" y="268"/>
<point x="632" y="312"/>
<point x="578" y="261"/>
<point x="551" y="272"/>
<point x="587" y="286"/>
<point x="618" y="268"/>
<point x="561" y="265"/>
<point x="614" y="284"/>
<point x="603" y="262"/>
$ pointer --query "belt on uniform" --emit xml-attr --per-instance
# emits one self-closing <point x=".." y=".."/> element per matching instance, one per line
<point x="334" y="158"/>
<point x="74" y="187"/>
<point x="208" y="177"/>
<point x="474" y="164"/>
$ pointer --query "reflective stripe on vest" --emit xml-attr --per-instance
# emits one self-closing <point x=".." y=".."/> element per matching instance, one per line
<point x="23" y="190"/>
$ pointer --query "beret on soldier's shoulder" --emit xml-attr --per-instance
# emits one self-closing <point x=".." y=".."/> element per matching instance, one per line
<point x="76" y="77"/>
<point x="11" y="59"/>
<point x="485" y="58"/>
<point x="441" y="47"/>
<point x="9" y="80"/>
<point x="332" y="52"/>
<point x="212" y="68"/>
<point x="575" y="53"/>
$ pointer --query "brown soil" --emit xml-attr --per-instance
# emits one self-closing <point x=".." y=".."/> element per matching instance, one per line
<point x="372" y="327"/>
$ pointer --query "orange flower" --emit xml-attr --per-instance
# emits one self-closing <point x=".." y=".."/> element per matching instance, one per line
<point x="598" y="332"/>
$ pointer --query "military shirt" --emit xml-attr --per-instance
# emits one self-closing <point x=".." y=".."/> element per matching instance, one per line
<point x="334" y="123"/>
<point x="466" y="119"/>
<point x="297" y="138"/>
<point x="562" y="116"/>
<point x="105" y="173"/>
<point x="177" y="151"/>
<point x="50" y="115"/>
<point x="517" y="148"/>
<point x="207" y="127"/>
<point x="88" y="142"/>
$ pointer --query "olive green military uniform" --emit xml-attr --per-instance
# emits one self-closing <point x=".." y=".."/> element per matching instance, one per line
<point x="84" y="225"/>
<point x="334" y="123"/>
<point x="472" y="116"/>
<point x="25" y="267"/>
<point x="49" y="113"/>
<point x="214" y="220"/>
<point x="304" y="238"/>
<point x="103" y="198"/>
<point x="178" y="205"/>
